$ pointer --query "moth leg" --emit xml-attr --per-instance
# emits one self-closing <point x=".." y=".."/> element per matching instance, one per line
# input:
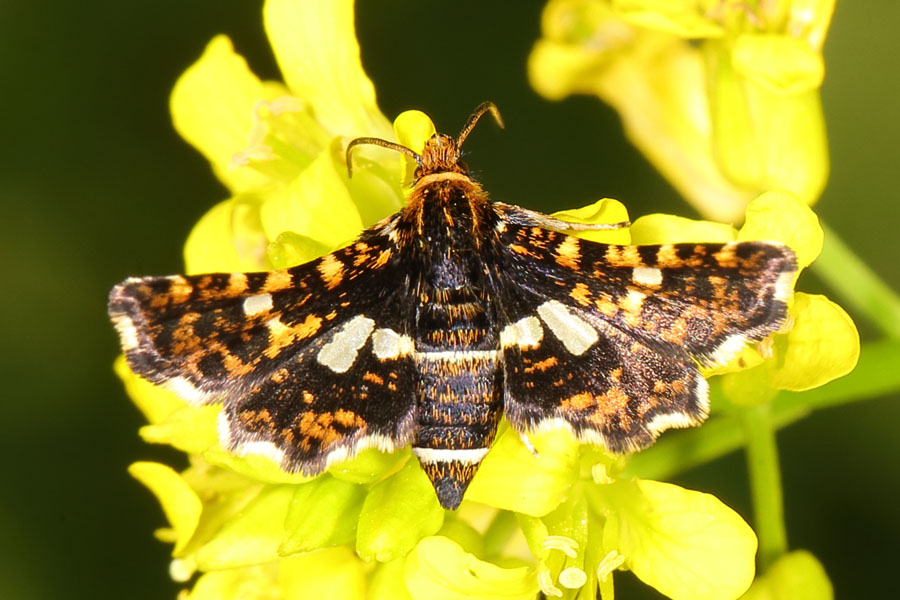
<point x="532" y="218"/>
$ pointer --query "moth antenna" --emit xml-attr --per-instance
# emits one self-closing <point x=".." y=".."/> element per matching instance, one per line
<point x="378" y="142"/>
<point x="473" y="120"/>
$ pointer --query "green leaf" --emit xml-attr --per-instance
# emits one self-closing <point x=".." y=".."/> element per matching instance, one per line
<point x="686" y="544"/>
<point x="796" y="576"/>
<point x="179" y="501"/>
<point x="322" y="514"/>
<point x="439" y="569"/>
<point x="396" y="514"/>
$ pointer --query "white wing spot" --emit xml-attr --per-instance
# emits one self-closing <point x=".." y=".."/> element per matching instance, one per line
<point x="633" y="301"/>
<point x="576" y="334"/>
<point x="387" y="344"/>
<point x="524" y="333"/>
<point x="647" y="276"/>
<point x="253" y="305"/>
<point x="127" y="332"/>
<point x="339" y="354"/>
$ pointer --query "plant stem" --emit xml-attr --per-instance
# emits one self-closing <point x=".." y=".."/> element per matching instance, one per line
<point x="852" y="280"/>
<point x="765" y="483"/>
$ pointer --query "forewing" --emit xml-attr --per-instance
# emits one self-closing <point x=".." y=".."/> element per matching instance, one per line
<point x="308" y="361"/>
<point x="707" y="299"/>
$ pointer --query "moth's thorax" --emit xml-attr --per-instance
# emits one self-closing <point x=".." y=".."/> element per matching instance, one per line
<point x="448" y="211"/>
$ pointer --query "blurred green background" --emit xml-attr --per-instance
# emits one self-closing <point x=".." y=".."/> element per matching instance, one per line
<point x="96" y="186"/>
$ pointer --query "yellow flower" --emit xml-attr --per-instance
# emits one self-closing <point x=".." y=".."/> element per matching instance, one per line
<point x="721" y="96"/>
<point x="555" y="517"/>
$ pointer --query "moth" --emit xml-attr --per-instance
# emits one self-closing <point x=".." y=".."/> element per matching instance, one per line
<point x="448" y="314"/>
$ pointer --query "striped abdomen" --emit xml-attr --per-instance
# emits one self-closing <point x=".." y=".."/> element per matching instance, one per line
<point x="458" y="388"/>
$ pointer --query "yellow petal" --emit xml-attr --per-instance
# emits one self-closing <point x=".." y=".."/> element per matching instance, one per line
<point x="330" y="573"/>
<point x="156" y="403"/>
<point x="781" y="63"/>
<point x="396" y="514"/>
<point x="513" y="478"/>
<point x="257" y="467"/>
<point x="190" y="429"/>
<point x="250" y="583"/>
<point x="316" y="205"/>
<point x="316" y="48"/>
<point x="439" y="569"/>
<point x="765" y="140"/>
<point x="388" y="583"/>
<point x="228" y="238"/>
<point x="822" y="345"/>
<point x="603" y="211"/>
<point x="413" y="128"/>
<point x="251" y="537"/>
<point x="180" y="503"/>
<point x="671" y="229"/>
<point x="213" y="106"/>
<point x="686" y="544"/>
<point x="684" y="18"/>
<point x="796" y="576"/>
<point x="322" y="514"/>
<point x="782" y="217"/>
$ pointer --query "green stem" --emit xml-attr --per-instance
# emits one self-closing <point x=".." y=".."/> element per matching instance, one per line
<point x="765" y="483"/>
<point x="854" y="283"/>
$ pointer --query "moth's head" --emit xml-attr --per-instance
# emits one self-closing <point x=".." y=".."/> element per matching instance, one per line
<point x="440" y="155"/>
<point x="441" y="152"/>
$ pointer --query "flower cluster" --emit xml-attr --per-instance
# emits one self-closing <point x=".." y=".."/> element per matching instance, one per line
<point x="558" y="518"/>
<point x="721" y="95"/>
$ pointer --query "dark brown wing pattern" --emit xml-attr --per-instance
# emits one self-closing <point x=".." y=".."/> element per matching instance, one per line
<point x="272" y="346"/>
<point x="607" y="339"/>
